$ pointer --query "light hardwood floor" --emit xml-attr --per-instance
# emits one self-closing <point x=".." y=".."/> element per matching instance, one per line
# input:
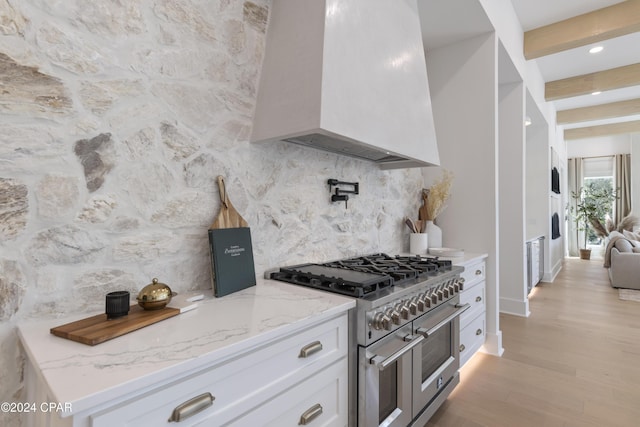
<point x="575" y="361"/>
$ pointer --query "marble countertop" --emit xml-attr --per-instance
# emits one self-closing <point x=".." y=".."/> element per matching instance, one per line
<point x="217" y="330"/>
<point x="467" y="259"/>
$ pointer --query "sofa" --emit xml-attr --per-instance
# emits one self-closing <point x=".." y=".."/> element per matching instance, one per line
<point x="622" y="258"/>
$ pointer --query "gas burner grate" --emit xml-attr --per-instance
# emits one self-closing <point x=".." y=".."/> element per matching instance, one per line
<point x="360" y="276"/>
<point x="401" y="268"/>
<point x="339" y="280"/>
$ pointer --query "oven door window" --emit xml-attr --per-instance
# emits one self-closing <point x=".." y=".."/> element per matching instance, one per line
<point x="436" y="350"/>
<point x="388" y="392"/>
<point x="385" y="381"/>
<point x="436" y="360"/>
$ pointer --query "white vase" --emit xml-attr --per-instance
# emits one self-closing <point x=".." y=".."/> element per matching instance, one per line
<point x="435" y="235"/>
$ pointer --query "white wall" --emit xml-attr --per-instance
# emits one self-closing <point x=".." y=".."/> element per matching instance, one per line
<point x="600" y="146"/>
<point x="508" y="30"/>
<point x="512" y="191"/>
<point x="463" y="83"/>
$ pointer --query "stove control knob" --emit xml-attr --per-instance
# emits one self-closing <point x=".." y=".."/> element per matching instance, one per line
<point x="426" y="299"/>
<point x="461" y="283"/>
<point x="433" y="294"/>
<point x="416" y="305"/>
<point x="393" y="315"/>
<point x="445" y="291"/>
<point x="403" y="309"/>
<point x="381" y="321"/>
<point x="440" y="294"/>
<point x="452" y="289"/>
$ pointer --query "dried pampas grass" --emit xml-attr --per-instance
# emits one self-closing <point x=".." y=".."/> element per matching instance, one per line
<point x="436" y="196"/>
<point x="609" y="225"/>
<point x="627" y="223"/>
<point x="597" y="226"/>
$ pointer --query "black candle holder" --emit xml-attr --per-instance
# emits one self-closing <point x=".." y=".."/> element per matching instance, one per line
<point x="117" y="304"/>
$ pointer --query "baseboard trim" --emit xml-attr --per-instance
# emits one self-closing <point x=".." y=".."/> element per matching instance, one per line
<point x="493" y="344"/>
<point x="515" y="307"/>
<point x="549" y="277"/>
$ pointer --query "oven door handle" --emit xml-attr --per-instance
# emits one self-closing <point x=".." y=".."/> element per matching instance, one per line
<point x="461" y="308"/>
<point x="383" y="363"/>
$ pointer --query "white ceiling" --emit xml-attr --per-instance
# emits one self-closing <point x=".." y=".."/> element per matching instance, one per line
<point x="446" y="22"/>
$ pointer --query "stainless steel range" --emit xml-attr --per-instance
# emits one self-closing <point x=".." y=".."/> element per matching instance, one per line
<point x="404" y="332"/>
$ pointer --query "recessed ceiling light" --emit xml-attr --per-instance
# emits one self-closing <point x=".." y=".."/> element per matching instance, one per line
<point x="527" y="121"/>
<point x="596" y="93"/>
<point x="596" y="49"/>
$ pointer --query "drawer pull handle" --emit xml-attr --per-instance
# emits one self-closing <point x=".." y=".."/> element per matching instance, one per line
<point x="478" y="272"/>
<point x="478" y="299"/>
<point x="310" y="414"/>
<point x="479" y="332"/>
<point x="310" y="349"/>
<point x="191" y="407"/>
<point x="462" y="347"/>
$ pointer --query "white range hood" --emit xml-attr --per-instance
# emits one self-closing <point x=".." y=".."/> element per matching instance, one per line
<point x="348" y="76"/>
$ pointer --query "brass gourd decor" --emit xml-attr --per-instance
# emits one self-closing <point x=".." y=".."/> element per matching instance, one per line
<point x="155" y="296"/>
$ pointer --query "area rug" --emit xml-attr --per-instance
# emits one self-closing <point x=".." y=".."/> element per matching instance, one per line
<point x="629" y="294"/>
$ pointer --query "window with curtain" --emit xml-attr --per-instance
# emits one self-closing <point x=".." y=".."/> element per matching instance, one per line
<point x="598" y="173"/>
<point x="607" y="172"/>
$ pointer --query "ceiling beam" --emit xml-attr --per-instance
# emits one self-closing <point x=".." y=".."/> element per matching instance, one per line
<point x="615" y="78"/>
<point x="603" y="24"/>
<point x="597" y="112"/>
<point x="602" y="130"/>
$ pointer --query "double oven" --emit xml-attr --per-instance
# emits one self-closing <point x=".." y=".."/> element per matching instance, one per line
<point x="404" y="332"/>
<point x="405" y="376"/>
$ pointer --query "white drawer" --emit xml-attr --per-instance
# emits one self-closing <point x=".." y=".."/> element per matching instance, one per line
<point x="323" y="395"/>
<point x="473" y="274"/>
<point x="475" y="298"/>
<point x="472" y="338"/>
<point x="236" y="385"/>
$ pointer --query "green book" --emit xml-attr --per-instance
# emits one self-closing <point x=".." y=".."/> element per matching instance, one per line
<point x="232" y="267"/>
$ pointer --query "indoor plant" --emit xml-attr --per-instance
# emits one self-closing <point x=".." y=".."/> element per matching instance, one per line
<point x="593" y="203"/>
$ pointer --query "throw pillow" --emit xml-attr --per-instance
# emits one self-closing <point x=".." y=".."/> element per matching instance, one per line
<point x="623" y="245"/>
<point x="631" y="235"/>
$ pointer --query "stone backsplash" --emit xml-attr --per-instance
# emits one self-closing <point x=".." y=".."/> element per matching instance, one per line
<point x="117" y="116"/>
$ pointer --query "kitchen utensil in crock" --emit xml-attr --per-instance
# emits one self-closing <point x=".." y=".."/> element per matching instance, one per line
<point x="411" y="225"/>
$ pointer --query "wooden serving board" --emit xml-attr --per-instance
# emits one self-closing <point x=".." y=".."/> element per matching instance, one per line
<point x="98" y="329"/>
<point x="230" y="248"/>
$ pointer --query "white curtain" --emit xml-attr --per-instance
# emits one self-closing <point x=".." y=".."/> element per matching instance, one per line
<point x="575" y="239"/>
<point x="622" y="175"/>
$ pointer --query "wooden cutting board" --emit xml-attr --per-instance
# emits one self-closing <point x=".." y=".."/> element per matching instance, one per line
<point x="228" y="216"/>
<point x="230" y="248"/>
<point x="98" y="329"/>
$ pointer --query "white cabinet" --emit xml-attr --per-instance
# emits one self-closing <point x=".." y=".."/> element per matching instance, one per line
<point x="300" y="375"/>
<point x="320" y="401"/>
<point x="277" y="381"/>
<point x="472" y="321"/>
